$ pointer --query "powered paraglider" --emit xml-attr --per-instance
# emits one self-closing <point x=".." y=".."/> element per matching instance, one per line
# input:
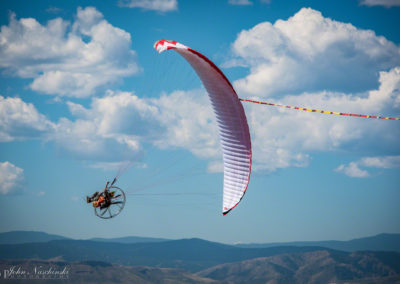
<point x="108" y="203"/>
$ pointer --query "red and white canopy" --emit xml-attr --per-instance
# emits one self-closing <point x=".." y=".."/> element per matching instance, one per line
<point x="232" y="122"/>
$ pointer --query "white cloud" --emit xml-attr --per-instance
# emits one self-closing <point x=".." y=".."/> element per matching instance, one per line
<point x="382" y="162"/>
<point x="112" y="129"/>
<point x="385" y="3"/>
<point x="240" y="2"/>
<point x="154" y="5"/>
<point x="283" y="138"/>
<point x="197" y="133"/>
<point x="387" y="162"/>
<point x="20" y="120"/>
<point x="315" y="62"/>
<point x="11" y="178"/>
<point x="215" y="167"/>
<point x="67" y="60"/>
<point x="117" y="125"/>
<point x="310" y="53"/>
<point x="352" y="170"/>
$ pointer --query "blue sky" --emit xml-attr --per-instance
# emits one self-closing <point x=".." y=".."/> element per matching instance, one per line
<point x="83" y="93"/>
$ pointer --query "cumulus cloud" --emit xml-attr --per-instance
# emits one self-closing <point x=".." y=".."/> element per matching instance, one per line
<point x="154" y="5"/>
<point x="283" y="138"/>
<point x="115" y="127"/>
<point x="20" y="120"/>
<point x="385" y="3"/>
<point x="112" y="129"/>
<point x="312" y="61"/>
<point x="309" y="52"/>
<point x="67" y="59"/>
<point x="352" y="170"/>
<point x="383" y="162"/>
<point x="11" y="178"/>
<point x="197" y="133"/>
<point x="118" y="124"/>
<point x="386" y="162"/>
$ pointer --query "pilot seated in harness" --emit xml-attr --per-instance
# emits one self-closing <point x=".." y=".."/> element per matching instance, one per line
<point x="102" y="199"/>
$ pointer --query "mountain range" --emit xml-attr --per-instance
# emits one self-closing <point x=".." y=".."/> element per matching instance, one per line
<point x="381" y="242"/>
<point x="19" y="237"/>
<point x="153" y="260"/>
<point x="305" y="267"/>
<point x="190" y="254"/>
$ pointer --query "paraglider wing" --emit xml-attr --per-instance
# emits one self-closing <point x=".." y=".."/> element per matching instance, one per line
<point x="232" y="122"/>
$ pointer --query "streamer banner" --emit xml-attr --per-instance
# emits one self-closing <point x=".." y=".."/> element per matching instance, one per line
<point x="321" y="111"/>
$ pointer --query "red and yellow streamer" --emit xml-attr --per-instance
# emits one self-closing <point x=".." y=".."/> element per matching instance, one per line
<point x="321" y="111"/>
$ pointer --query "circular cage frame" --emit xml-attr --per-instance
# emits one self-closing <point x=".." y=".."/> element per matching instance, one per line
<point x="117" y="203"/>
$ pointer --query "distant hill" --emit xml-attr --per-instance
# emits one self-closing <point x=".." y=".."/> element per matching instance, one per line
<point x="129" y="240"/>
<point x="101" y="272"/>
<point x="382" y="242"/>
<point x="321" y="266"/>
<point x="19" y="237"/>
<point x="312" y="267"/>
<point x="189" y="254"/>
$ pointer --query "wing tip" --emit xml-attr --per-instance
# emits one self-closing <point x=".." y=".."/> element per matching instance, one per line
<point x="158" y="45"/>
<point x="227" y="211"/>
<point x="163" y="45"/>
